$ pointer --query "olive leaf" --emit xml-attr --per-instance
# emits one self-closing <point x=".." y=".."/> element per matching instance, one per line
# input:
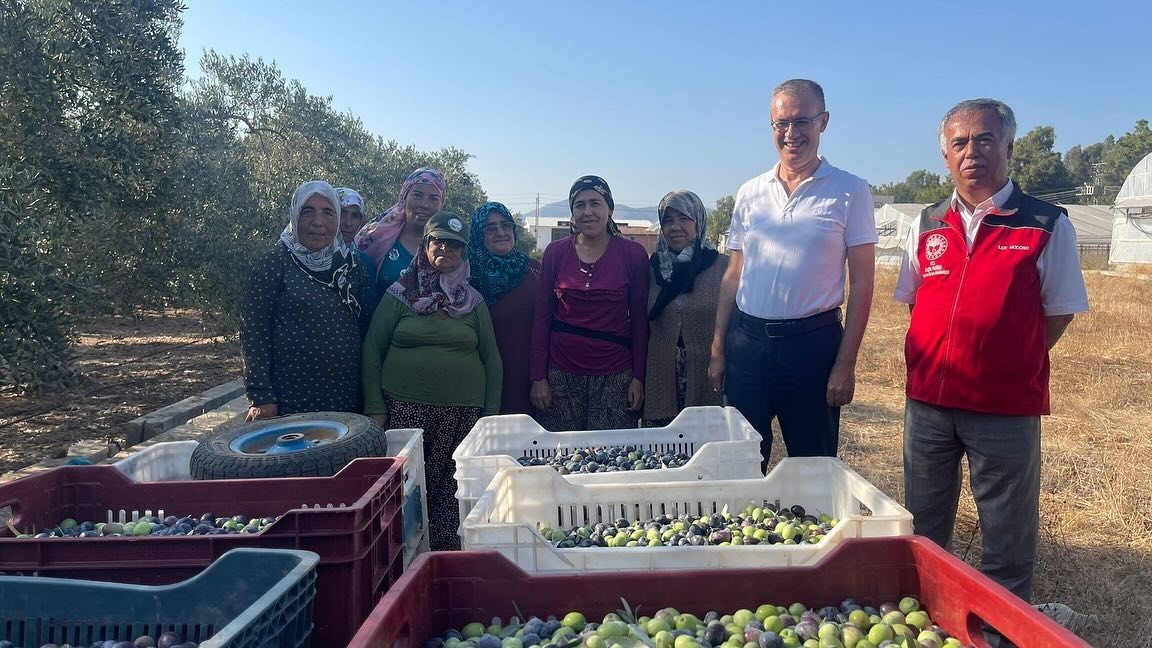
<point x="627" y="615"/>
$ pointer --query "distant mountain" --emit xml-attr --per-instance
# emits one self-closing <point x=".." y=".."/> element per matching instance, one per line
<point x="559" y="209"/>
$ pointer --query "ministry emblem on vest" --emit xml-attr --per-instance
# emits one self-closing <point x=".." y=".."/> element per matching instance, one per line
<point x="935" y="246"/>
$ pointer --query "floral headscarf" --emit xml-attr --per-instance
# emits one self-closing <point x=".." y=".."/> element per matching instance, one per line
<point x="330" y="266"/>
<point x="426" y="289"/>
<point x="349" y="197"/>
<point x="676" y="272"/>
<point x="494" y="276"/>
<point x="378" y="236"/>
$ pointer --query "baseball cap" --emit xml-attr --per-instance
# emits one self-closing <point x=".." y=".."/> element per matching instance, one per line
<point x="446" y="225"/>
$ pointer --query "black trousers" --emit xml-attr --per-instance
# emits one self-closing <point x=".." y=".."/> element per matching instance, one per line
<point x="779" y="369"/>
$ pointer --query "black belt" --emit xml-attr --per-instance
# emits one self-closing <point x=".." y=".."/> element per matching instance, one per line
<point x="788" y="327"/>
<point x="603" y="336"/>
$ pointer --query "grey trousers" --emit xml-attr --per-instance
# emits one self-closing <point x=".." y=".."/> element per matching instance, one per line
<point x="1004" y="461"/>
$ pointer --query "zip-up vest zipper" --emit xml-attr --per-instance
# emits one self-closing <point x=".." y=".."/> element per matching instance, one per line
<point x="955" y="305"/>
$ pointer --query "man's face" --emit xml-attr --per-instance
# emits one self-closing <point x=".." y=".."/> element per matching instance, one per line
<point x="977" y="151"/>
<point x="804" y="119"/>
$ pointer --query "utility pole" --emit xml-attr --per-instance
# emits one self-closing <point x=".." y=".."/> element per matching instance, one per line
<point x="538" y="239"/>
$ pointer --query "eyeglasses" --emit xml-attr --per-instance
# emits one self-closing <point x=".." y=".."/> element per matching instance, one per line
<point x="504" y="228"/>
<point x="450" y="244"/>
<point x="800" y="124"/>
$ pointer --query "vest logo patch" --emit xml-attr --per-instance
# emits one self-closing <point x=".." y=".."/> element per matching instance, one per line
<point x="935" y="246"/>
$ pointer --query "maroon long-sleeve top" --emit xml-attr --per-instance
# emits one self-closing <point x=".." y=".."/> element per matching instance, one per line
<point x="611" y="296"/>
<point x="512" y="321"/>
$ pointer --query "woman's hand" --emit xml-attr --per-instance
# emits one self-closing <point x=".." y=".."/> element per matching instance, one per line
<point x="716" y="371"/>
<point x="635" y="395"/>
<point x="379" y="419"/>
<point x="258" y="412"/>
<point x="541" y="395"/>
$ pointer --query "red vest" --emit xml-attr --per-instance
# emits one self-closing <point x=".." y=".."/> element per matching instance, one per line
<point x="978" y="340"/>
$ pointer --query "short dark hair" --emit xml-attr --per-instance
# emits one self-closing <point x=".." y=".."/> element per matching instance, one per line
<point x="796" y="87"/>
<point x="984" y="104"/>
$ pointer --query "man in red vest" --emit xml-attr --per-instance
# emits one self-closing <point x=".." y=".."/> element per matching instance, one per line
<point x="992" y="278"/>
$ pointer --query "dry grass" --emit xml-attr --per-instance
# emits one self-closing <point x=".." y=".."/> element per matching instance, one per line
<point x="1096" y="492"/>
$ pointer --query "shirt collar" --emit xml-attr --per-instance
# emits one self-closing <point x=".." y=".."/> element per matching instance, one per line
<point x="990" y="204"/>
<point x="823" y="169"/>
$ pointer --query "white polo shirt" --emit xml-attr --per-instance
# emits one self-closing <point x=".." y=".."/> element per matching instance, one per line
<point x="795" y="247"/>
<point x="1062" y="290"/>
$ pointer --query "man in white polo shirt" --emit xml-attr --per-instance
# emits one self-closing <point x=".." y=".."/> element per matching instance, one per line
<point x="782" y="352"/>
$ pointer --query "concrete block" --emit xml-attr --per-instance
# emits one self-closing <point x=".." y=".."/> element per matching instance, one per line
<point x="168" y="417"/>
<point x="93" y="450"/>
<point x="196" y="429"/>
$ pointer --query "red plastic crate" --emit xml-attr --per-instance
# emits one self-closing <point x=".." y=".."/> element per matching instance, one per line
<point x="352" y="520"/>
<point x="443" y="590"/>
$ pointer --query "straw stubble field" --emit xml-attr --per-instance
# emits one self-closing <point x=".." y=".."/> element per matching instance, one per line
<point x="1096" y="486"/>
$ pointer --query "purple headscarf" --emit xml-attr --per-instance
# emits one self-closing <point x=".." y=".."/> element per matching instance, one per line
<point x="378" y="236"/>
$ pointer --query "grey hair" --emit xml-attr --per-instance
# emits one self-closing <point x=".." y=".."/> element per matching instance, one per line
<point x="797" y="87"/>
<point x="1001" y="109"/>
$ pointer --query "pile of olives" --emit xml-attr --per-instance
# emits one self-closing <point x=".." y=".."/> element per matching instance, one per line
<point x="165" y="640"/>
<point x="851" y="625"/>
<point x="767" y="523"/>
<point x="150" y="525"/>
<point x="608" y="459"/>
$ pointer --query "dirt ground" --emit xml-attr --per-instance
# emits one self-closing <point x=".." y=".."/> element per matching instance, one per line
<point x="132" y="366"/>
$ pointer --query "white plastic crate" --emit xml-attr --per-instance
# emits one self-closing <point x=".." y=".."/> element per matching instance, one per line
<point x="508" y="513"/>
<point x="171" y="462"/>
<point x="721" y="442"/>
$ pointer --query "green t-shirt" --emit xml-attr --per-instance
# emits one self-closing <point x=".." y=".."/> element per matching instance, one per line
<point x="431" y="359"/>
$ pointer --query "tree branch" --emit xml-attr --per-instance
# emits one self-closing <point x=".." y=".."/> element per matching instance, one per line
<point x="252" y="128"/>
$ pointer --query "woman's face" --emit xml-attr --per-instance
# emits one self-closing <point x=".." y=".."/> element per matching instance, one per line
<point x="351" y="220"/>
<point x="590" y="213"/>
<point x="678" y="229"/>
<point x="317" y="223"/>
<point x="423" y="201"/>
<point x="499" y="234"/>
<point x="445" y="255"/>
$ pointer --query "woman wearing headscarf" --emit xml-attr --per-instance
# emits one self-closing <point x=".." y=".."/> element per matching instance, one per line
<point x="682" y="298"/>
<point x="299" y="334"/>
<point x="394" y="238"/>
<point x="430" y="361"/>
<point x="507" y="279"/>
<point x="590" y="329"/>
<point x="351" y="220"/>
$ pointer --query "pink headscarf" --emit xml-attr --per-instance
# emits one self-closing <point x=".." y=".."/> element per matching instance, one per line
<point x="377" y="237"/>
<point x="426" y="289"/>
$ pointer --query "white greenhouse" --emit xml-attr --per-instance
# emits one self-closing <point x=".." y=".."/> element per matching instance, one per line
<point x="892" y="222"/>
<point x="1093" y="225"/>
<point x="1132" y="217"/>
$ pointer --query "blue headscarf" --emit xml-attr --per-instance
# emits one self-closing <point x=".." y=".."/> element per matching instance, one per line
<point x="494" y="276"/>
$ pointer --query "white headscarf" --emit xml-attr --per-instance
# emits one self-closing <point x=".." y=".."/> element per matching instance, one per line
<point x="314" y="260"/>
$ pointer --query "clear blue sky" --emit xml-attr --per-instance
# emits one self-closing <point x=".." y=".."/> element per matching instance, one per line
<point x="655" y="96"/>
